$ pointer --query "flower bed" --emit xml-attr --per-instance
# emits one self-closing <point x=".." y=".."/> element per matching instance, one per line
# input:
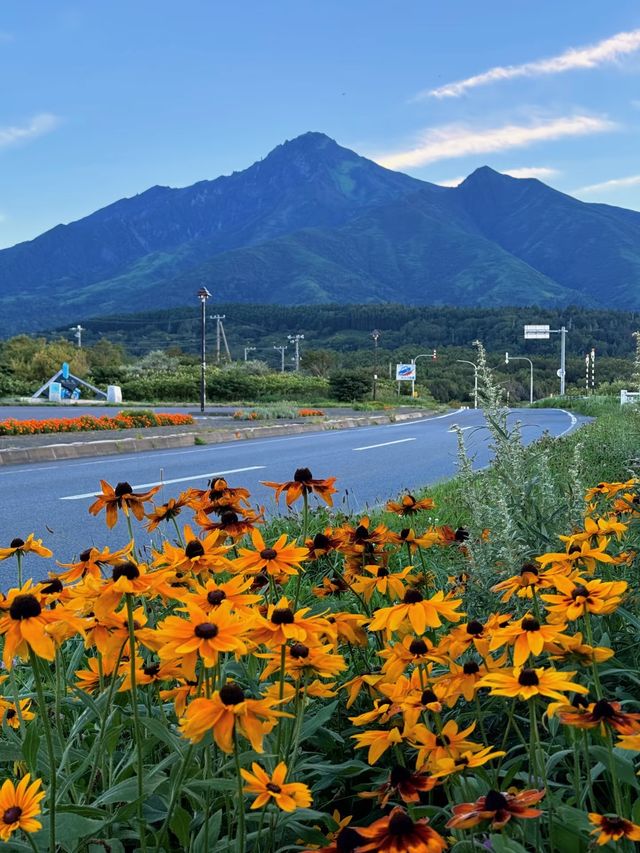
<point x="89" y="423"/>
<point x="339" y="686"/>
<point x="310" y="413"/>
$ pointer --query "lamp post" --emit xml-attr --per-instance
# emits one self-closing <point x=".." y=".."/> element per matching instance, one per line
<point x="508" y="358"/>
<point x="375" y="334"/>
<point x="295" y="339"/>
<point x="281" y="349"/>
<point x="203" y="295"/>
<point x="248" y="350"/>
<point x="475" y="379"/>
<point x="413" y="361"/>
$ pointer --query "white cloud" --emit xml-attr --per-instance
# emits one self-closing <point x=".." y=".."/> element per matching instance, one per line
<point x="37" y="126"/>
<point x="540" y="172"/>
<point x="451" y="182"/>
<point x="603" y="52"/>
<point x="613" y="184"/>
<point x="458" y="140"/>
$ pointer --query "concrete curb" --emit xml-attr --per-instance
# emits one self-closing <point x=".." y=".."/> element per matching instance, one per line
<point x="112" y="446"/>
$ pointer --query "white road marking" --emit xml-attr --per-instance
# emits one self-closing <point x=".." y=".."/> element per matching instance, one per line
<point x="384" y="444"/>
<point x="426" y="420"/>
<point x="574" y="421"/>
<point x="169" y="482"/>
<point x="456" y="428"/>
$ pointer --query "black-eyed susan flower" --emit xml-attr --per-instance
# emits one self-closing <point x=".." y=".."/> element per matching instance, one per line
<point x="467" y="760"/>
<point x="527" y="683"/>
<point x="577" y="596"/>
<point x="408" y="505"/>
<point x="322" y="544"/>
<point x="169" y="510"/>
<point x="121" y="498"/>
<point x="529" y="581"/>
<point x="232" y="522"/>
<point x="24" y="624"/>
<point x="303" y="483"/>
<point x="421" y="613"/>
<point x="288" y="796"/>
<point x="613" y="828"/>
<point x="197" y="556"/>
<point x="282" y="624"/>
<point x="404" y="783"/>
<point x="527" y="636"/>
<point x="585" y="554"/>
<point x="211" y="594"/>
<point x="378" y="742"/>
<point x="19" y="806"/>
<point x="227" y="710"/>
<point x="398" y="832"/>
<point x="30" y="545"/>
<point x="281" y="558"/>
<point x="301" y="660"/>
<point x="381" y="580"/>
<point x="10" y="714"/>
<point x="412" y="650"/>
<point x="601" y="714"/>
<point x="630" y="742"/>
<point x="498" y="807"/>
<point x="448" y="742"/>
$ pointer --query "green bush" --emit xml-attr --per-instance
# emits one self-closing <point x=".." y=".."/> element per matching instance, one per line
<point x="349" y="385"/>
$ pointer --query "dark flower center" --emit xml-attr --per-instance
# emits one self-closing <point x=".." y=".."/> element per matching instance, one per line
<point x="443" y="740"/>
<point x="399" y="774"/>
<point x="418" y="647"/>
<point x="194" y="549"/>
<point x="470" y="668"/>
<point x="495" y="801"/>
<point x="474" y="627"/>
<point x="321" y="541"/>
<point x="271" y="786"/>
<point x="151" y="669"/>
<point x="231" y="694"/>
<point x="85" y="555"/>
<point x="123" y="489"/>
<point x="461" y="535"/>
<point x="362" y="532"/>
<point x="348" y="840"/>
<point x="216" y="597"/>
<point x="530" y="624"/>
<point x="54" y="586"/>
<point x="228" y="518"/>
<point x="16" y="543"/>
<point x="10" y="714"/>
<point x="602" y="710"/>
<point x="268" y="554"/>
<point x="282" y="616"/>
<point x="126" y="570"/>
<point x="427" y="697"/>
<point x="25" y="607"/>
<point x="404" y="533"/>
<point x="299" y="650"/>
<point x="581" y="591"/>
<point x="528" y="678"/>
<point x="12" y="815"/>
<point x="303" y="475"/>
<point x="412" y="596"/>
<point x="614" y="825"/>
<point x="206" y="630"/>
<point x="530" y="568"/>
<point x="400" y="824"/>
<point x="382" y="572"/>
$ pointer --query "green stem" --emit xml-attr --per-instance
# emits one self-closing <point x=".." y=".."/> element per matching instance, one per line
<point x="103" y="722"/>
<point x="136" y="721"/>
<point x="19" y="560"/>
<point x="46" y="725"/>
<point x="283" y="663"/>
<point x="175" y="793"/>
<point x="241" y="827"/>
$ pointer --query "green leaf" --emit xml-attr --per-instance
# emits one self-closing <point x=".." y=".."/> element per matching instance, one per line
<point x="180" y="825"/>
<point x="30" y="746"/>
<point x="622" y="763"/>
<point x="317" y="719"/>
<point x="504" y="844"/>
<point x="163" y="733"/>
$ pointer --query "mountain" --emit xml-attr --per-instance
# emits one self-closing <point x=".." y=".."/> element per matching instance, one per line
<point x="314" y="222"/>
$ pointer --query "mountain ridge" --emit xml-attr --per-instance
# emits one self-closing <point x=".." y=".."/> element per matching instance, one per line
<point x="316" y="222"/>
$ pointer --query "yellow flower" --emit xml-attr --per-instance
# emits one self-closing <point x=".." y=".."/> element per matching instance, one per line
<point x="527" y="636"/>
<point x="378" y="742"/>
<point x="21" y="546"/>
<point x="19" y="806"/>
<point x="526" y="683"/>
<point x="577" y="596"/>
<point x="281" y="558"/>
<point x="288" y="796"/>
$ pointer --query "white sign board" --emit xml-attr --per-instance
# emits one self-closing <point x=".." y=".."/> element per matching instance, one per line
<point x="536" y="332"/>
<point x="406" y="372"/>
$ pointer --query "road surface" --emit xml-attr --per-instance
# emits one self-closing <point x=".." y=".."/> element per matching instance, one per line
<point x="372" y="464"/>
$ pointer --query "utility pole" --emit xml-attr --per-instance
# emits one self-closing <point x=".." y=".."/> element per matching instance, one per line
<point x="78" y="330"/>
<point x="281" y="349"/>
<point x="295" y="339"/>
<point x="248" y="350"/>
<point x="475" y="379"/>
<point x="542" y="332"/>
<point x="220" y="336"/>
<point x="203" y="295"/>
<point x="375" y="334"/>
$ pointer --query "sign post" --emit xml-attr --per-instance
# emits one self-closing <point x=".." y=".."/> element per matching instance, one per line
<point x="542" y="333"/>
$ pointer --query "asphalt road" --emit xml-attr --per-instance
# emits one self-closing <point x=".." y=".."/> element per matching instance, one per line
<point x="372" y="464"/>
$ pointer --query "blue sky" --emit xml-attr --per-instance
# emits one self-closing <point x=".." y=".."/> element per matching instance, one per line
<point x="104" y="99"/>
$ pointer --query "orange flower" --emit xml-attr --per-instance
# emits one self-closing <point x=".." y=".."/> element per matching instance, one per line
<point x="281" y="558"/>
<point x="397" y="833"/>
<point x="419" y="612"/>
<point x="19" y="806"/>
<point x="578" y="596"/>
<point x="199" y="556"/>
<point x="404" y="784"/>
<point x="304" y="484"/>
<point x="24" y="626"/>
<point x="498" y="807"/>
<point x="527" y="636"/>
<point x="526" y="683"/>
<point x="613" y="828"/>
<point x="600" y="714"/>
<point x="288" y="796"/>
<point x="410" y="505"/>
<point x="122" y="497"/>
<point x="21" y="546"/>
<point x="90" y="561"/>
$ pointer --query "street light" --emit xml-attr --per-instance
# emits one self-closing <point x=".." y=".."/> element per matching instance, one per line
<point x="475" y="379"/>
<point x="203" y="295"/>
<point x="375" y="334"/>
<point x="508" y="358"/>
<point x="413" y="361"/>
<point x="295" y="339"/>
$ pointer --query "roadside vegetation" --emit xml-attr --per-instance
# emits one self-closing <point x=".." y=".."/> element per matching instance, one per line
<point x="138" y="419"/>
<point x="458" y="670"/>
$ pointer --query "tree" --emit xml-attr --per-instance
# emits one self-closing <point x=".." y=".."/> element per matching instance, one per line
<point x="318" y="362"/>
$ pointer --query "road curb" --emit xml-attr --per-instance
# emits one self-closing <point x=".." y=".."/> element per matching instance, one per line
<point x="140" y="444"/>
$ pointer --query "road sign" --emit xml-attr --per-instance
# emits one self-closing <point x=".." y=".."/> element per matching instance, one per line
<point x="536" y="332"/>
<point x="560" y="373"/>
<point x="406" y="372"/>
